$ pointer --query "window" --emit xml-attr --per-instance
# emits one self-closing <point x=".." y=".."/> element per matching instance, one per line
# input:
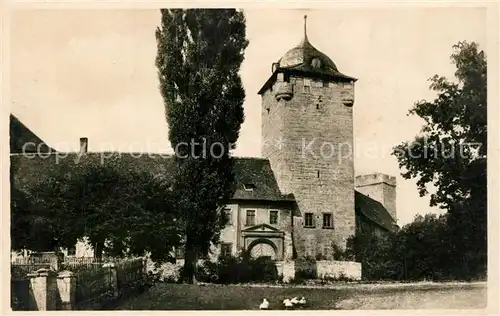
<point x="228" y="214"/>
<point x="308" y="220"/>
<point x="316" y="63"/>
<point x="327" y="220"/>
<point x="226" y="249"/>
<point x="250" y="218"/>
<point x="273" y="217"/>
<point x="249" y="186"/>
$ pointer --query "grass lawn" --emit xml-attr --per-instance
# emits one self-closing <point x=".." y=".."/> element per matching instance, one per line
<point x="166" y="296"/>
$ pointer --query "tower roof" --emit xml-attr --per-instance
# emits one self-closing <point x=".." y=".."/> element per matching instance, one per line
<point x="306" y="59"/>
<point x="303" y="55"/>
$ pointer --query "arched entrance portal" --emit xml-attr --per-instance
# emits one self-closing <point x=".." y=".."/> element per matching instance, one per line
<point x="263" y="249"/>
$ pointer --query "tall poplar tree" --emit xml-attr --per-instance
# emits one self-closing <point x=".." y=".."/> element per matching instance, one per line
<point x="199" y="55"/>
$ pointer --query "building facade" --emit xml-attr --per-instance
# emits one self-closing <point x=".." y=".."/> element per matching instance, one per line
<point x="301" y="199"/>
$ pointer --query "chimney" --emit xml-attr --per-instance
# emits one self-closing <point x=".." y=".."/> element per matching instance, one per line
<point x="84" y="144"/>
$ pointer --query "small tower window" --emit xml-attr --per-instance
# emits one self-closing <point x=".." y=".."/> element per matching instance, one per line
<point x="249" y="186"/>
<point x="327" y="220"/>
<point x="318" y="174"/>
<point x="317" y="106"/>
<point x="316" y="63"/>
<point x="307" y="85"/>
<point x="308" y="220"/>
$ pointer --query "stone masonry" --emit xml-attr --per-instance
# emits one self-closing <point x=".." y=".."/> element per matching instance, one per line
<point x="308" y="140"/>
<point x="380" y="187"/>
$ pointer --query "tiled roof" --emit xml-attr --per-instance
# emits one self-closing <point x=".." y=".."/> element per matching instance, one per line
<point x="374" y="211"/>
<point x="20" y="135"/>
<point x="256" y="171"/>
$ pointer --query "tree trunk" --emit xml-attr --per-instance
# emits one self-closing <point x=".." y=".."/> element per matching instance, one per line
<point x="98" y="250"/>
<point x="190" y="262"/>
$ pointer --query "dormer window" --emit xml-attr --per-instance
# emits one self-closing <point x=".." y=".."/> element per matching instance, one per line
<point x="316" y="63"/>
<point x="249" y="186"/>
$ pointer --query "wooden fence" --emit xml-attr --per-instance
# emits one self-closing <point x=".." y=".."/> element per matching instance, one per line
<point x="93" y="287"/>
<point x="77" y="264"/>
<point x="25" y="265"/>
<point x="81" y="284"/>
<point x="129" y="273"/>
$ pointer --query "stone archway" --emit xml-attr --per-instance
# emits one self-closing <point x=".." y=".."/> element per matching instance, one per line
<point x="262" y="248"/>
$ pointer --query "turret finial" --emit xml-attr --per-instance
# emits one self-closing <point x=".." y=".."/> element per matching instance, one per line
<point x="305" y="26"/>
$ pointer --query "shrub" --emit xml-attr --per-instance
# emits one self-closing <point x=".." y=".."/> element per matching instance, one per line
<point x="241" y="269"/>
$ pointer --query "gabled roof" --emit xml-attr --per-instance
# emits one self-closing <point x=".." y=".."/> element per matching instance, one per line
<point x="22" y="139"/>
<point x="374" y="211"/>
<point x="256" y="171"/>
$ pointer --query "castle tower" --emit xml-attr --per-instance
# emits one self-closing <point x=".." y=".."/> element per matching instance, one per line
<point x="307" y="134"/>
<point x="379" y="187"/>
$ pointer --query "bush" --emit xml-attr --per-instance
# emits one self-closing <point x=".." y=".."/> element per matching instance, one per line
<point x="242" y="269"/>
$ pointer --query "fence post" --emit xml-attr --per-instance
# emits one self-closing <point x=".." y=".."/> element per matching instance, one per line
<point x="66" y="285"/>
<point x="113" y="277"/>
<point x="44" y="288"/>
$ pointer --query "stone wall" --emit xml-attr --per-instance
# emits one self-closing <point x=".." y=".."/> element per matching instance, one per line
<point x="286" y="269"/>
<point x="338" y="270"/>
<point x="328" y="269"/>
<point x="309" y="141"/>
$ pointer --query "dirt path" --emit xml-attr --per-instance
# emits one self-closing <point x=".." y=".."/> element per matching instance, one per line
<point x="459" y="297"/>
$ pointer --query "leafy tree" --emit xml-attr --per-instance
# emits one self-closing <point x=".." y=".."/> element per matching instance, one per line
<point x="199" y="56"/>
<point x="424" y="248"/>
<point x="31" y="227"/>
<point x="450" y="153"/>
<point x="121" y="213"/>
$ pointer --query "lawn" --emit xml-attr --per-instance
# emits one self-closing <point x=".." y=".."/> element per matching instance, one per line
<point x="165" y="296"/>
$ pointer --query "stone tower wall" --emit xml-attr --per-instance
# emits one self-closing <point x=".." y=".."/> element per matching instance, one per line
<point x="381" y="188"/>
<point x="309" y="142"/>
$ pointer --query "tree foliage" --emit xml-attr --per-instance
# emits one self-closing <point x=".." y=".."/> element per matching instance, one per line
<point x="198" y="60"/>
<point x="420" y="250"/>
<point x="450" y="153"/>
<point x="121" y="213"/>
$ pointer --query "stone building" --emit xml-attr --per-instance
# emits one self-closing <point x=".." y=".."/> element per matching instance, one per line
<point x="301" y="199"/>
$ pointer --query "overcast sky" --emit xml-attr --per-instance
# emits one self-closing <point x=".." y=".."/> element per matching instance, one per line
<point x="91" y="74"/>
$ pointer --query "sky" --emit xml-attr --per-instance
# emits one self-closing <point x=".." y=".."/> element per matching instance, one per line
<point x="91" y="73"/>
